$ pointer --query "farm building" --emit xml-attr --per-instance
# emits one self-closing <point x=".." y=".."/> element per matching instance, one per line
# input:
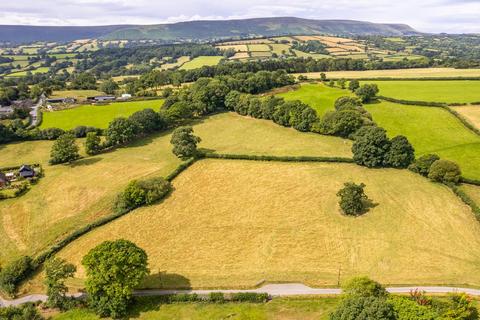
<point x="3" y="180"/>
<point x="101" y="98"/>
<point x="26" y="171"/>
<point x="62" y="100"/>
<point x="5" y="110"/>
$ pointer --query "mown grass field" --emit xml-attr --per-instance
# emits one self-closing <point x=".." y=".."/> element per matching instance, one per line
<point x="279" y="308"/>
<point x="318" y="96"/>
<point x="236" y="223"/>
<point x="398" y="73"/>
<point x="450" y="91"/>
<point x="471" y="113"/>
<point x="472" y="191"/>
<point x="431" y="130"/>
<point x="78" y="94"/>
<point x="70" y="196"/>
<point x="201" y="61"/>
<point x="95" y="115"/>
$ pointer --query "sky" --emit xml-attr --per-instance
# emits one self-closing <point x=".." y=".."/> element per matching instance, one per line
<point x="450" y="16"/>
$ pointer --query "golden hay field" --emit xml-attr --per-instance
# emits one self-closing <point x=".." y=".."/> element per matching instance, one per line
<point x="70" y="196"/>
<point x="237" y="223"/>
<point x="398" y="73"/>
<point x="471" y="113"/>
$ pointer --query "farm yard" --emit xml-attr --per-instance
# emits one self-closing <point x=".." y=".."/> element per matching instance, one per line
<point x="95" y="115"/>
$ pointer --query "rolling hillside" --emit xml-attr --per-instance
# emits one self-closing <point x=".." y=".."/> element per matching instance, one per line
<point x="203" y="30"/>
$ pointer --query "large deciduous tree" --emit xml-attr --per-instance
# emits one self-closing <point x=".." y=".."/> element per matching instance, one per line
<point x="401" y="153"/>
<point x="367" y="92"/>
<point x="184" y="142"/>
<point x="370" y="146"/>
<point x="353" y="200"/>
<point x="64" y="149"/>
<point x="114" y="269"/>
<point x="56" y="272"/>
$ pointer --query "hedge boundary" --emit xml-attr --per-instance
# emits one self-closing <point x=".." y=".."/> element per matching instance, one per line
<point x="470" y="181"/>
<point x="442" y="105"/>
<point x="276" y="158"/>
<point x="467" y="200"/>
<point x="400" y="79"/>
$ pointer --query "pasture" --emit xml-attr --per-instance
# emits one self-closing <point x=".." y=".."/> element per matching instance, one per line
<point x="70" y="196"/>
<point x="449" y="91"/>
<point x="24" y="73"/>
<point x="319" y="96"/>
<point x="398" y="73"/>
<point x="235" y="223"/>
<point x="77" y="94"/>
<point x="201" y="61"/>
<point x="431" y="130"/>
<point x="95" y="115"/>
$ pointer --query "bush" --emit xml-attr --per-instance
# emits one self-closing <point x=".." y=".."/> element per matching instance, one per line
<point x="249" y="297"/>
<point x="26" y="311"/>
<point x="406" y="309"/>
<point x="82" y="131"/>
<point x="14" y="273"/>
<point x="401" y="153"/>
<point x="364" y="308"/>
<point x="364" y="287"/>
<point x="139" y="193"/>
<point x="216" y="297"/>
<point x="353" y="199"/>
<point x="445" y="171"/>
<point x="370" y="146"/>
<point x="347" y="101"/>
<point x="422" y="165"/>
<point x="184" y="297"/>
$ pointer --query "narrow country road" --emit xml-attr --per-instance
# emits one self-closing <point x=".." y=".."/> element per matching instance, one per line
<point x="275" y="290"/>
<point x="34" y="112"/>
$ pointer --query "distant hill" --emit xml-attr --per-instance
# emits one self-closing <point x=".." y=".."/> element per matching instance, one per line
<point x="204" y="30"/>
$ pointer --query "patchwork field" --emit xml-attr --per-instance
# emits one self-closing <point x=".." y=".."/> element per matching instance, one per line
<point x="289" y="228"/>
<point x="72" y="195"/>
<point x="398" y="73"/>
<point x="95" y="115"/>
<point x="471" y="113"/>
<point x="451" y="91"/>
<point x="431" y="130"/>
<point x="199" y="62"/>
<point x="318" y="96"/>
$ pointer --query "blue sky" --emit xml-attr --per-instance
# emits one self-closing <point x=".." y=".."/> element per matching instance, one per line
<point x="451" y="16"/>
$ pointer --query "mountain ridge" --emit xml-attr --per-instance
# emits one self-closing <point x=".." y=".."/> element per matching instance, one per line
<point x="203" y="30"/>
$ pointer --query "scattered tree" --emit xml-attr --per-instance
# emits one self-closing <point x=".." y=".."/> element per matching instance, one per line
<point x="56" y="272"/>
<point x="353" y="200"/>
<point x="108" y="86"/>
<point x="114" y="269"/>
<point x="121" y="131"/>
<point x="64" y="149"/>
<point x="92" y="144"/>
<point x="353" y="85"/>
<point x="370" y="146"/>
<point x="401" y="153"/>
<point x="367" y="92"/>
<point x="13" y="273"/>
<point x="341" y="83"/>
<point x="445" y="171"/>
<point x="184" y="142"/>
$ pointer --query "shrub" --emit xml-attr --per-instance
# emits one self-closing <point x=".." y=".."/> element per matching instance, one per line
<point x="422" y="165"/>
<point x="364" y="287"/>
<point x="138" y="193"/>
<point x="401" y="153"/>
<point x="460" y="307"/>
<point x="347" y="101"/>
<point x="445" y="171"/>
<point x="249" y="297"/>
<point x="216" y="297"/>
<point x="64" y="149"/>
<point x="14" y="273"/>
<point x="407" y="309"/>
<point x="353" y="85"/>
<point x="370" y="146"/>
<point x="26" y="311"/>
<point x="184" y="142"/>
<point x="366" y="308"/>
<point x="353" y="199"/>
<point x="184" y="297"/>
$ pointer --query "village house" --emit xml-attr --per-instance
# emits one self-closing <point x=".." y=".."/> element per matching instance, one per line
<point x="26" y="171"/>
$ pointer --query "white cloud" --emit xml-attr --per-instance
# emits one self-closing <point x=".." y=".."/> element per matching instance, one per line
<point x="427" y="15"/>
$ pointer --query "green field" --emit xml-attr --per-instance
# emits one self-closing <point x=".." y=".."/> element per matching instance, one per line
<point x="318" y="96"/>
<point x="77" y="94"/>
<point x="279" y="308"/>
<point x="24" y="73"/>
<point x="95" y="115"/>
<point x="449" y="91"/>
<point x="431" y="130"/>
<point x="201" y="61"/>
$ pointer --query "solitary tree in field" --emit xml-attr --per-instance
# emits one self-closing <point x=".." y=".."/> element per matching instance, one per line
<point x="56" y="272"/>
<point x="353" y="199"/>
<point x="353" y="85"/>
<point x="184" y="142"/>
<point x="367" y="92"/>
<point x="114" y="269"/>
<point x="92" y="143"/>
<point x="64" y="149"/>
